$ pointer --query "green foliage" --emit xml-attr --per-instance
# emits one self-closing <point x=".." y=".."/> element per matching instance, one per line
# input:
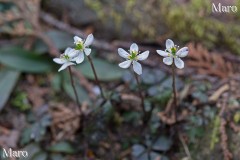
<point x="163" y="143"/>
<point x="193" y="22"/>
<point x="61" y="40"/>
<point x="103" y="70"/>
<point x="82" y="94"/>
<point x="20" y="101"/>
<point x="186" y="21"/>
<point x="5" y="6"/>
<point x="25" y="61"/>
<point x="215" y="132"/>
<point x="150" y="152"/>
<point x="37" y="130"/>
<point x="62" y="81"/>
<point x="62" y="147"/>
<point x="100" y="9"/>
<point x="33" y="149"/>
<point x="8" y="79"/>
<point x="35" y="152"/>
<point x="40" y="156"/>
<point x="236" y="117"/>
<point x="141" y="153"/>
<point x="196" y="129"/>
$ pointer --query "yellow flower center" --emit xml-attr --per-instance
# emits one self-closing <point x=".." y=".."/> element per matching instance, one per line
<point x="79" y="45"/>
<point x="172" y="51"/>
<point x="63" y="56"/>
<point x="133" y="55"/>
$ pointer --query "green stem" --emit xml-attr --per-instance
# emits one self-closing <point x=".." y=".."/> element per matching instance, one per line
<point x="95" y="76"/>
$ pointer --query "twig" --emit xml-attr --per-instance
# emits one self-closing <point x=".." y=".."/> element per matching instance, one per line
<point x="215" y="96"/>
<point x="65" y="27"/>
<point x="227" y="154"/>
<point x="185" y="147"/>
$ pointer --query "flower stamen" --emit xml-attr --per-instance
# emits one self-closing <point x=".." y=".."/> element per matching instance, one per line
<point x="133" y="55"/>
<point x="79" y="45"/>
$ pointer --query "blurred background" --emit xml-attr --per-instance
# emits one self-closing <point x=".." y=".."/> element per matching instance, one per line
<point x="38" y="112"/>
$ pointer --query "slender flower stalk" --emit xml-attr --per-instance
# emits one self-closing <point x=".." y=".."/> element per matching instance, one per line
<point x="74" y="88"/>
<point x="95" y="76"/>
<point x="174" y="86"/>
<point x="81" y="115"/>
<point x="140" y="94"/>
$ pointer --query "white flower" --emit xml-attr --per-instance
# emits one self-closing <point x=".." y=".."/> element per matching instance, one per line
<point x="172" y="52"/>
<point x="66" y="58"/>
<point x="82" y="47"/>
<point x="132" y="58"/>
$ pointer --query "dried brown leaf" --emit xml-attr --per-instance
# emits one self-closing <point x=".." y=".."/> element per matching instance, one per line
<point x="209" y="63"/>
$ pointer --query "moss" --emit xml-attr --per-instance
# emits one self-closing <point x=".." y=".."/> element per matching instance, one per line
<point x="191" y="21"/>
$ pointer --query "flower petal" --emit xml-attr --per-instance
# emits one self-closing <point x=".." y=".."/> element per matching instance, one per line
<point x="183" y="52"/>
<point x="169" y="44"/>
<point x="168" y="60"/>
<point x="162" y="53"/>
<point x="65" y="65"/>
<point x="125" y="64"/>
<point x="143" y="56"/>
<point x="87" y="51"/>
<point x="179" y="63"/>
<point x="77" y="39"/>
<point x="79" y="58"/>
<point x="123" y="53"/>
<point x="71" y="52"/>
<point x="89" y="40"/>
<point x="67" y="50"/>
<point x="137" y="67"/>
<point x="59" y="60"/>
<point x="134" y="47"/>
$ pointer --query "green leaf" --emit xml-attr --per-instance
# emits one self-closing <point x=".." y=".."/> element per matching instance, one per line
<point x="37" y="130"/>
<point x="162" y="144"/>
<point x="56" y="156"/>
<point x="23" y="60"/>
<point x="56" y="82"/>
<point x="63" y="147"/>
<point x="82" y="94"/>
<point x="33" y="149"/>
<point x="2" y="157"/>
<point x="40" y="156"/>
<point x="61" y="40"/>
<point x="20" y="101"/>
<point x="105" y="71"/>
<point x="8" y="79"/>
<point x="138" y="150"/>
<point x="236" y="117"/>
